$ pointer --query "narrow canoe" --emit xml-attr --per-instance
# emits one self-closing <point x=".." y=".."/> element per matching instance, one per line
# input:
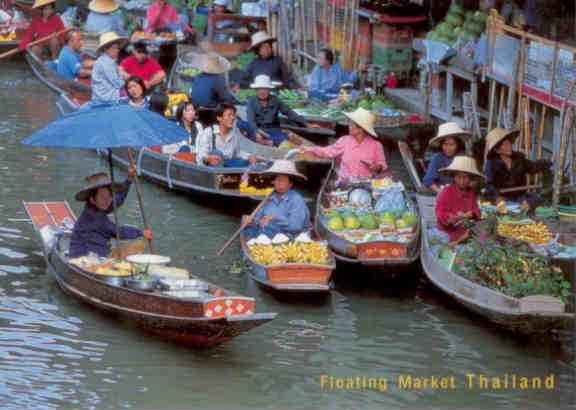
<point x="290" y="277"/>
<point x="504" y="311"/>
<point x="198" y="322"/>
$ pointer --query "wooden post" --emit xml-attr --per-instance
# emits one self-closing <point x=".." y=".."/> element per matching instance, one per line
<point x="492" y="102"/>
<point x="521" y="75"/>
<point x="500" y="121"/>
<point x="540" y="137"/>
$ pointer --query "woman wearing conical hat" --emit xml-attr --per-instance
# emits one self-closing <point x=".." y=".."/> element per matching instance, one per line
<point x="360" y="154"/>
<point x="106" y="78"/>
<point x="451" y="140"/>
<point x="506" y="168"/>
<point x="48" y="22"/>
<point x="209" y="88"/>
<point x="457" y="204"/>
<point x="104" y="16"/>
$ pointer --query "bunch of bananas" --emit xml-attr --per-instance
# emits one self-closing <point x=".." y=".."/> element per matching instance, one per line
<point x="248" y="189"/>
<point x="534" y="232"/>
<point x="8" y="37"/>
<point x="291" y="252"/>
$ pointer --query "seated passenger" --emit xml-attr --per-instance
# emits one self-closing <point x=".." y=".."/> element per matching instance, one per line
<point x="209" y="88"/>
<point x="457" y="204"/>
<point x="70" y="63"/>
<point x="136" y="92"/>
<point x="162" y="16"/>
<point x="451" y="140"/>
<point x="186" y="115"/>
<point x="359" y="153"/>
<point x="285" y="210"/>
<point x="106" y="78"/>
<point x="140" y="64"/>
<point x="42" y="25"/>
<point x="263" y="112"/>
<point x="103" y="17"/>
<point x="93" y="229"/>
<point x="218" y="145"/>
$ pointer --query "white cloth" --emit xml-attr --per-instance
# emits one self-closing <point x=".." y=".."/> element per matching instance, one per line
<point x="172" y="148"/>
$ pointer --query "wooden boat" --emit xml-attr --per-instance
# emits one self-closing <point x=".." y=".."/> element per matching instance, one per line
<point x="199" y="322"/>
<point x="180" y="171"/>
<point x="290" y="277"/>
<point x="383" y="259"/>
<point x="509" y="313"/>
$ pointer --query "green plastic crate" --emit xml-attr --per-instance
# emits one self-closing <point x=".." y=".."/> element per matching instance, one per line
<point x="392" y="58"/>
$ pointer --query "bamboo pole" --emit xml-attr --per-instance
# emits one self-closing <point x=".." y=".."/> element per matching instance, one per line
<point x="520" y="76"/>
<point x="540" y="138"/>
<point x="501" y="107"/>
<point x="492" y="102"/>
<point x="315" y="26"/>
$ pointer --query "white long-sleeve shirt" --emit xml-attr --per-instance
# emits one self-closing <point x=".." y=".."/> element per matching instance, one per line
<point x="210" y="139"/>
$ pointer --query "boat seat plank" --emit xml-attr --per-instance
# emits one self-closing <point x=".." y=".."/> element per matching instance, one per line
<point x="44" y="213"/>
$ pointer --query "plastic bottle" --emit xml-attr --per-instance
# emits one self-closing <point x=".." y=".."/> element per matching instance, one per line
<point x="391" y="81"/>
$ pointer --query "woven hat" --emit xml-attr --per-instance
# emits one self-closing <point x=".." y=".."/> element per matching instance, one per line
<point x="213" y="64"/>
<point x="364" y="119"/>
<point x="108" y="38"/>
<point x="260" y="38"/>
<point x="463" y="163"/>
<point x="449" y="129"/>
<point x="96" y="181"/>
<point x="42" y="3"/>
<point x="262" y="81"/>
<point x="496" y="136"/>
<point x="284" y="167"/>
<point x="103" y="6"/>
<point x="220" y="3"/>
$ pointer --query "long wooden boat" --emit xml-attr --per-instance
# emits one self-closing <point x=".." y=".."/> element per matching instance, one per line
<point x="507" y="312"/>
<point x="180" y="172"/>
<point x="383" y="259"/>
<point x="199" y="322"/>
<point x="290" y="277"/>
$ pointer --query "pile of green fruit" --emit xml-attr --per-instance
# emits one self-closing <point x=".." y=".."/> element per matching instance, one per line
<point x="189" y="72"/>
<point x="459" y="24"/>
<point x="291" y="95"/>
<point x="371" y="103"/>
<point x="244" y="59"/>
<point x="362" y="219"/>
<point x="244" y="93"/>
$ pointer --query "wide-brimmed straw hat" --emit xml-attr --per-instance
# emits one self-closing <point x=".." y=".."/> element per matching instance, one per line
<point x="284" y="167"/>
<point x="42" y="3"/>
<point x="213" y="64"/>
<point x="463" y="163"/>
<point x="260" y="37"/>
<point x="262" y="81"/>
<point x="96" y="181"/>
<point x="220" y="3"/>
<point x="108" y="38"/>
<point x="496" y="136"/>
<point x="103" y="6"/>
<point x="364" y="119"/>
<point x="449" y="130"/>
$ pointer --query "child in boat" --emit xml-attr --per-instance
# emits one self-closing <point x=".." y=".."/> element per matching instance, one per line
<point x="93" y="230"/>
<point x="506" y="168"/>
<point x="285" y="210"/>
<point x="457" y="204"/>
<point x="451" y="139"/>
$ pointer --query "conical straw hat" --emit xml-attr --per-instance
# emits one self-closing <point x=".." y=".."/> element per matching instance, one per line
<point x="42" y="3"/>
<point x="96" y="181"/>
<point x="103" y="6"/>
<point x="214" y="64"/>
<point x="449" y="129"/>
<point x="109" y="38"/>
<point x="364" y="119"/>
<point x="259" y="38"/>
<point x="496" y="136"/>
<point x="284" y="167"/>
<point x="463" y="163"/>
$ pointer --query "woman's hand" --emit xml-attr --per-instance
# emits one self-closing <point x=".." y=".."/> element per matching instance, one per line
<point x="147" y="233"/>
<point x="375" y="167"/>
<point x="266" y="220"/>
<point x="213" y="160"/>
<point x="131" y="173"/>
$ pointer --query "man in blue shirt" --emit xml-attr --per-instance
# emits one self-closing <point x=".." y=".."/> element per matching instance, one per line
<point x="70" y="64"/>
<point x="285" y="211"/>
<point x="327" y="77"/>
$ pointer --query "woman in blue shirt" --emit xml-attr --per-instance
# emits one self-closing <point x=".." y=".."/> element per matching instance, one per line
<point x="327" y="77"/>
<point x="451" y="140"/>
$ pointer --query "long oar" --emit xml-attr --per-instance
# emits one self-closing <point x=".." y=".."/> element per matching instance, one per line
<point x="35" y="43"/>
<point x="243" y="224"/>
<point x="140" y="200"/>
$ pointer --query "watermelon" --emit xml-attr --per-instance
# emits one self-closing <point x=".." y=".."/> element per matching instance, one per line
<point x="454" y="19"/>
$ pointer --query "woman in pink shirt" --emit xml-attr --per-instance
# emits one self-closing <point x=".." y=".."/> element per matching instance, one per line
<point x="360" y="154"/>
<point x="161" y="16"/>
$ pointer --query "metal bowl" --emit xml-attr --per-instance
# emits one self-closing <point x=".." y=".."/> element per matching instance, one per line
<point x="184" y="284"/>
<point x="112" y="280"/>
<point x="148" y="285"/>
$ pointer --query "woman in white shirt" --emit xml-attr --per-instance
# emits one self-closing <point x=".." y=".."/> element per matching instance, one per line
<point x="187" y="118"/>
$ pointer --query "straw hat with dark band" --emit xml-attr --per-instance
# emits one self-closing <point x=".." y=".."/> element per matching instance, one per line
<point x="496" y="136"/>
<point x="213" y="64"/>
<point x="109" y="38"/>
<point x="284" y="167"/>
<point x="462" y="163"/>
<point x="97" y="181"/>
<point x="364" y="119"/>
<point x="42" y="3"/>
<point x="260" y="37"/>
<point x="449" y="130"/>
<point x="103" y="6"/>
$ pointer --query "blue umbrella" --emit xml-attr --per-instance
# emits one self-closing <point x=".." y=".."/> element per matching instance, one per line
<point x="108" y="126"/>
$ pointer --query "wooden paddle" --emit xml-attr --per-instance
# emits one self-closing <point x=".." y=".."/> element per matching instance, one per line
<point x="243" y="225"/>
<point x="35" y="43"/>
<point x="140" y="198"/>
<point x="520" y="188"/>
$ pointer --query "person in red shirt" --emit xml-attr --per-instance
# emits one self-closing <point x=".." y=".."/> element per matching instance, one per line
<point x="457" y="204"/>
<point x="140" y="64"/>
<point x="46" y="23"/>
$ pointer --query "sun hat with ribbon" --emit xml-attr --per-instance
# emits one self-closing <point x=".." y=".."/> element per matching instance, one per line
<point x="446" y="130"/>
<point x="463" y="163"/>
<point x="213" y="64"/>
<point x="108" y="38"/>
<point x="260" y="37"/>
<point x="262" y="81"/>
<point x="103" y="6"/>
<point x="284" y="167"/>
<point x="496" y="136"/>
<point x="42" y="3"/>
<point x="96" y="181"/>
<point x="364" y="119"/>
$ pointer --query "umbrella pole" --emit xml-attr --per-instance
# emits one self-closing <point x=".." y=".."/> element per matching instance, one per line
<point x="114" y="206"/>
<point x="140" y="200"/>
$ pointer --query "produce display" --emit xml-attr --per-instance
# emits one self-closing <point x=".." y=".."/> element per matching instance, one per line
<point x="142" y="35"/>
<point x="244" y="93"/>
<point x="245" y="188"/>
<point x="8" y="37"/>
<point x="459" y="24"/>
<point x="280" y="250"/>
<point x="104" y="266"/>
<point x="532" y="232"/>
<point x="189" y="71"/>
<point x="244" y="59"/>
<point x="376" y="103"/>
<point x="366" y="214"/>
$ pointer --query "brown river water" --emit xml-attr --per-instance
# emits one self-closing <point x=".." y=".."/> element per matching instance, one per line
<point x="58" y="354"/>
